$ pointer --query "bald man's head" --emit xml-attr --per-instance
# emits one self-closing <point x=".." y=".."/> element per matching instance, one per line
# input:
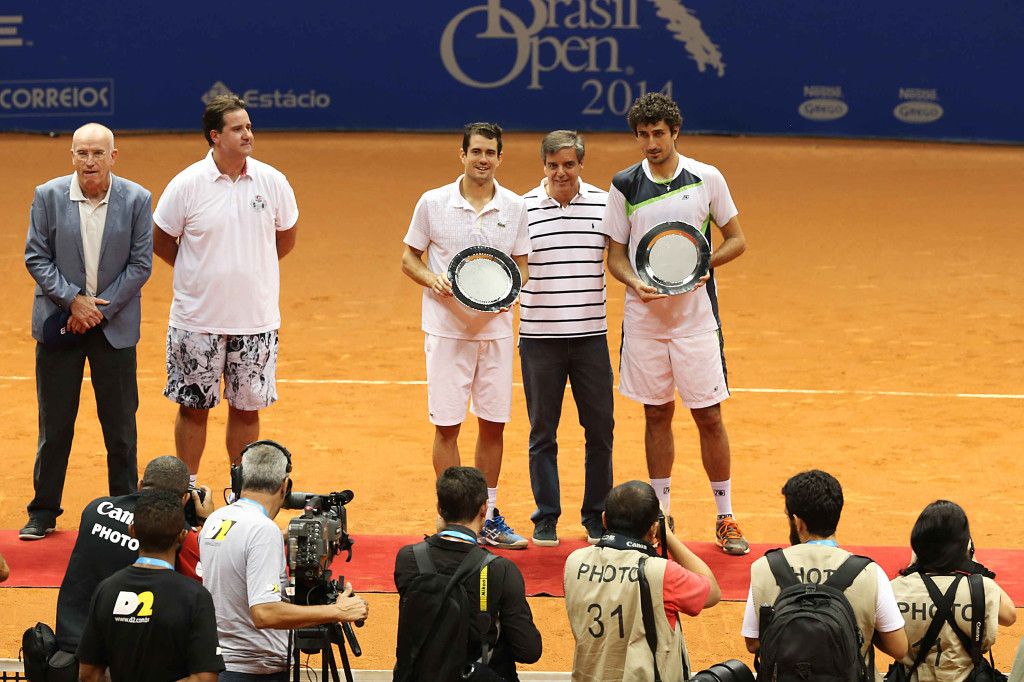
<point x="94" y="133"/>
<point x="92" y="155"/>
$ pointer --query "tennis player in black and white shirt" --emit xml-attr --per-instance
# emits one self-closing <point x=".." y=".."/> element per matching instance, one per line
<point x="563" y="332"/>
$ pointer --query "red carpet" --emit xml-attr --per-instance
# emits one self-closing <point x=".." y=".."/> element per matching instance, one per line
<point x="42" y="563"/>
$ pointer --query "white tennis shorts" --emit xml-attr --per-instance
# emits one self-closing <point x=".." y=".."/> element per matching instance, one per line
<point x="651" y="370"/>
<point x="459" y="370"/>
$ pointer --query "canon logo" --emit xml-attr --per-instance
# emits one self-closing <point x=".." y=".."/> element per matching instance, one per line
<point x="918" y="112"/>
<point x="823" y="109"/>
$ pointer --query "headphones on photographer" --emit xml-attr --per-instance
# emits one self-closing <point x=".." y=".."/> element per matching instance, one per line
<point x="236" y="469"/>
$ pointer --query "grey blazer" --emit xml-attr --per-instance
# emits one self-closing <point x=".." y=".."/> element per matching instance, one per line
<point x="53" y="256"/>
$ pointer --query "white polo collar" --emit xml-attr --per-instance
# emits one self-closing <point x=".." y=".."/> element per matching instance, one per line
<point x="213" y="173"/>
<point x="456" y="199"/>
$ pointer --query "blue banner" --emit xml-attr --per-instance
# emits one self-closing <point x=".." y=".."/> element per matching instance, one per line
<point x="915" y="69"/>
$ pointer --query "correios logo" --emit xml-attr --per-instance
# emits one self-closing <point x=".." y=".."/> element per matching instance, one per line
<point x="272" y="99"/>
<point x="592" y="48"/>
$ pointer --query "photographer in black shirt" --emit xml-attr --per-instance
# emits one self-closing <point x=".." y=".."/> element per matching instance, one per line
<point x="148" y="622"/>
<point x="104" y="545"/>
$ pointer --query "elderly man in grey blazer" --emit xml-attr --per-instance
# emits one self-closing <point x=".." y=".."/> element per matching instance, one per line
<point x="89" y="249"/>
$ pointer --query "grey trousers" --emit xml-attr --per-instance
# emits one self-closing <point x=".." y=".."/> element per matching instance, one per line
<point x="546" y="364"/>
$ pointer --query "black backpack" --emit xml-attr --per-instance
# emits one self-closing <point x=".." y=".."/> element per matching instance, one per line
<point x="433" y="620"/>
<point x="811" y="633"/>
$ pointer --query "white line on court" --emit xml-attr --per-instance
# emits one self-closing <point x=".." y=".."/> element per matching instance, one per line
<point x="782" y="391"/>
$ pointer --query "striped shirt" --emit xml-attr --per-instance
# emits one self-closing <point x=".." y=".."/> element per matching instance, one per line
<point x="565" y="296"/>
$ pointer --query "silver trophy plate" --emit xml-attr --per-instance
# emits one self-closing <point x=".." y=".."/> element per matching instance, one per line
<point x="484" y="278"/>
<point x="672" y="257"/>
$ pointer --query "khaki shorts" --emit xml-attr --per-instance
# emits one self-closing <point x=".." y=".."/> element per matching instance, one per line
<point x="459" y="370"/>
<point x="651" y="370"/>
<point x="196" y="361"/>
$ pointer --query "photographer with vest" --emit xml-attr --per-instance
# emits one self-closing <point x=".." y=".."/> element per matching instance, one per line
<point x="814" y="503"/>
<point x="148" y="622"/>
<point x="462" y="610"/>
<point x="937" y="586"/>
<point x="624" y="601"/>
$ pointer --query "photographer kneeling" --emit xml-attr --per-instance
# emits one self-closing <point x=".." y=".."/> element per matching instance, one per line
<point x="624" y="601"/>
<point x="243" y="558"/>
<point x="942" y="571"/>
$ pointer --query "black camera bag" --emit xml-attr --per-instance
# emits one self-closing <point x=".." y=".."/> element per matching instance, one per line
<point x="37" y="645"/>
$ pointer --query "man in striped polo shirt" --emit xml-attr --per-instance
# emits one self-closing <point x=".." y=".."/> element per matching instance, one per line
<point x="563" y="332"/>
<point x="674" y="343"/>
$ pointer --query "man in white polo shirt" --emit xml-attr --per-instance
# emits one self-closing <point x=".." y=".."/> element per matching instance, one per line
<point x="672" y="343"/>
<point x="563" y="333"/>
<point x="223" y="223"/>
<point x="469" y="353"/>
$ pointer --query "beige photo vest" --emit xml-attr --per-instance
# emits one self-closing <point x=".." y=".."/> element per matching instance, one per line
<point x="602" y="598"/>
<point x="947" y="661"/>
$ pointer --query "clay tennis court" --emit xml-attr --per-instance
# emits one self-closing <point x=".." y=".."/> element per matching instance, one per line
<point x="872" y="329"/>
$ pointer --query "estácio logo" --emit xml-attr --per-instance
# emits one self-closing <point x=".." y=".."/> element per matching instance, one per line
<point x="918" y="112"/>
<point x="823" y="109"/>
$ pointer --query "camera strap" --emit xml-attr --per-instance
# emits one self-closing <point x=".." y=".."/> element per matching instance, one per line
<point x="624" y="542"/>
<point x="484" y="620"/>
<point x="647" y="611"/>
<point x="977" y="587"/>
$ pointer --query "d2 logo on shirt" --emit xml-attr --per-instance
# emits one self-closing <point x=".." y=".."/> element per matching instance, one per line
<point x="258" y="203"/>
<point x="132" y="604"/>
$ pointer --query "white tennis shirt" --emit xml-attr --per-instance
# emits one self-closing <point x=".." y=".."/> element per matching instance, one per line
<point x="444" y="223"/>
<point x="226" y="276"/>
<point x="697" y="195"/>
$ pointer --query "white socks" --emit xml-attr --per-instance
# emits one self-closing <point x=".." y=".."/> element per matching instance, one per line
<point x="192" y="480"/>
<point x="723" y="496"/>
<point x="663" y="489"/>
<point x="492" y="499"/>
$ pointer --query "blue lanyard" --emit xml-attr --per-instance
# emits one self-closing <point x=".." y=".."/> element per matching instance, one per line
<point x="458" y="534"/>
<point x="253" y="503"/>
<point x="827" y="543"/>
<point x="149" y="561"/>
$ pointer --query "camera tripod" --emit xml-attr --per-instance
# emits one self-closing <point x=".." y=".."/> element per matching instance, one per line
<point x="323" y="639"/>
